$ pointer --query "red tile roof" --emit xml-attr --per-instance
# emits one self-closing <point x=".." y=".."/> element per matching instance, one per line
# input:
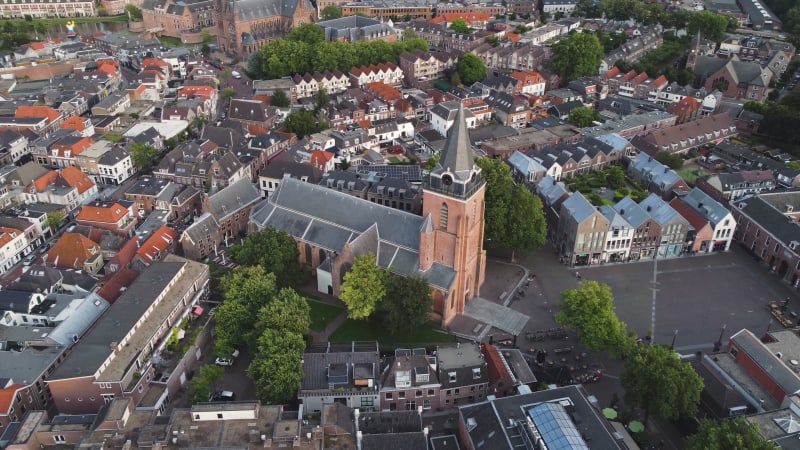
<point x="71" y="251"/>
<point x="75" y="178"/>
<point x="112" y="290"/>
<point x="7" y="397"/>
<point x="35" y="112"/>
<point x="108" y="213"/>
<point x="695" y="220"/>
<point x="74" y="123"/>
<point x="41" y="183"/>
<point x="155" y="247"/>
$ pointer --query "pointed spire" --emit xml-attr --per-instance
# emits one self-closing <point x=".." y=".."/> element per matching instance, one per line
<point x="457" y="154"/>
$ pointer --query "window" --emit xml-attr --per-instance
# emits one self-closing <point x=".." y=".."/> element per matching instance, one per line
<point x="59" y="439"/>
<point x="401" y="395"/>
<point x="476" y="373"/>
<point x="418" y="394"/>
<point x="432" y="392"/>
<point x="443" y="216"/>
<point x="451" y="376"/>
<point x="458" y="391"/>
<point x="389" y="396"/>
<point x="367" y="402"/>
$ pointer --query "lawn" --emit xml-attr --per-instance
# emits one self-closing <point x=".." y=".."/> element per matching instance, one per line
<point x="394" y="160"/>
<point x="690" y="175"/>
<point x="359" y="330"/>
<point x="322" y="314"/>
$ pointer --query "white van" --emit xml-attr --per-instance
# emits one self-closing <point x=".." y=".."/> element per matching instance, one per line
<point x="236" y="75"/>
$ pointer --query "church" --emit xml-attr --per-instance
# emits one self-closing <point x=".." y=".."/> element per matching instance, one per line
<point x="444" y="245"/>
<point x="243" y="26"/>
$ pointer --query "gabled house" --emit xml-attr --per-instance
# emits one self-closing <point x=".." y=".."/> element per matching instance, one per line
<point x="674" y="226"/>
<point x="443" y="116"/>
<point x="253" y="113"/>
<point x="75" y="251"/>
<point x="700" y="235"/>
<point x="157" y="246"/>
<point x="657" y="177"/>
<point x="618" y="237"/>
<point x="511" y="110"/>
<point x="113" y="216"/>
<point x="734" y="78"/>
<point x="725" y="187"/>
<point x="646" y="230"/>
<point x="69" y="187"/>
<point x="580" y="239"/>
<point x="718" y="216"/>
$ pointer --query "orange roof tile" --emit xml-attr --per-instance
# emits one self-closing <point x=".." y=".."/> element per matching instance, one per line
<point x="157" y="244"/>
<point x="7" y="397"/>
<point x="437" y="20"/>
<point x="513" y="37"/>
<point x="75" y="178"/>
<point x="7" y="235"/>
<point x="614" y="71"/>
<point x="319" y="158"/>
<point x="471" y="17"/>
<point x="111" y="213"/>
<point x="36" y="112"/>
<point x="72" y="250"/>
<point x="36" y="45"/>
<point x="154" y="62"/>
<point x="74" y="123"/>
<point x="45" y="180"/>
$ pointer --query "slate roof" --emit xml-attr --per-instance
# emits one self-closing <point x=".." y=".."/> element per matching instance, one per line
<point x="615" y="219"/>
<point x="579" y="208"/>
<point x="233" y="198"/>
<point x="632" y="212"/>
<point x="16" y="301"/>
<point x="767" y="210"/>
<point x="658" y="209"/>
<point x="248" y="10"/>
<point x="742" y="71"/>
<point x="655" y="172"/>
<point x="283" y="166"/>
<point x="316" y="365"/>
<point x="551" y="190"/>
<point x="524" y="164"/>
<point x="330" y="220"/>
<point x="457" y="154"/>
<point x="706" y="206"/>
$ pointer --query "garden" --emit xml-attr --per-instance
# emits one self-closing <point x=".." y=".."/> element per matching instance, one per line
<point x="607" y="186"/>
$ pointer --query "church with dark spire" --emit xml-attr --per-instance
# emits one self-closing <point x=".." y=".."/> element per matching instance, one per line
<point x="444" y="245"/>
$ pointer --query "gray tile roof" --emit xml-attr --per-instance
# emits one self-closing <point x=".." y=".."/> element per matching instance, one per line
<point x="331" y="219"/>
<point x="362" y="362"/>
<point x="551" y="190"/>
<point x="658" y="209"/>
<point x="233" y="198"/>
<point x="615" y="219"/>
<point x="579" y="208"/>
<point x="632" y="212"/>
<point x="710" y="209"/>
<point x="768" y="213"/>
<point x="457" y="155"/>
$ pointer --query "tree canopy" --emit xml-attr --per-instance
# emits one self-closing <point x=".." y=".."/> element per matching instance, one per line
<point x="54" y="220"/>
<point x="578" y="55"/>
<point x="276" y="370"/>
<point x="228" y="93"/>
<point x="246" y="290"/>
<point x="671" y="160"/>
<point x="280" y="99"/>
<point x="728" y="434"/>
<point x="275" y="251"/>
<point x="514" y="216"/>
<point x="470" y="68"/>
<point x="655" y="379"/>
<point x="143" y="155"/>
<point x="303" y="122"/>
<point x="589" y="309"/>
<point x="407" y="304"/>
<point x="286" y="311"/>
<point x="306" y="51"/>
<point x="202" y="385"/>
<point x="364" y="287"/>
<point x="460" y="26"/>
<point x="330" y="12"/>
<point x="133" y="12"/>
<point x="583" y="117"/>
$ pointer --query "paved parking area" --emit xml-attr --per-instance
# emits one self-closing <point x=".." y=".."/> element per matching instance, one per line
<point x="695" y="295"/>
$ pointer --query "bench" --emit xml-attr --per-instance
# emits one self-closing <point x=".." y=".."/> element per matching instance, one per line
<point x="559" y="351"/>
<point x="477" y="328"/>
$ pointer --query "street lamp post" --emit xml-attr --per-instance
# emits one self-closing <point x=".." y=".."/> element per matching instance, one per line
<point x="718" y="343"/>
<point x="674" y="336"/>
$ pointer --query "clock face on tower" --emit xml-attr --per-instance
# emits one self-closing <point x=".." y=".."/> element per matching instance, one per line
<point x="447" y="180"/>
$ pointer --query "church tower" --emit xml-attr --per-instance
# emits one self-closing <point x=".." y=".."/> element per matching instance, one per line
<point x="452" y="233"/>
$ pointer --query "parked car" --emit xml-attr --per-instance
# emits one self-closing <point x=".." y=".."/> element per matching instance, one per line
<point x="227" y="361"/>
<point x="223" y="396"/>
<point x="28" y="260"/>
<point x="236" y="75"/>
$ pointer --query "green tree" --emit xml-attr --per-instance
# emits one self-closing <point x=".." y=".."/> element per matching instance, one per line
<point x="143" y="155"/>
<point x="280" y="99"/>
<point x="583" y="117"/>
<point x="616" y="177"/>
<point x="578" y="55"/>
<point x="206" y="36"/>
<point x="228" y="93"/>
<point x="728" y="434"/>
<point x="133" y="12"/>
<point x="455" y="79"/>
<point x="526" y="227"/>
<point x="202" y="384"/>
<point x="407" y="305"/>
<point x="460" y="26"/>
<point x="655" y="379"/>
<point x="431" y="163"/>
<point x="671" y="160"/>
<point x="276" y="370"/>
<point x="54" y="220"/>
<point x="710" y="25"/>
<point x="246" y="290"/>
<point x="330" y="12"/>
<point x="308" y="33"/>
<point x="303" y="122"/>
<point x="589" y="309"/>
<point x="286" y="311"/>
<point x="510" y="225"/>
<point x="205" y="49"/>
<point x="364" y="287"/>
<point x="275" y="252"/>
<point x="470" y="68"/>
<point x="321" y="98"/>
